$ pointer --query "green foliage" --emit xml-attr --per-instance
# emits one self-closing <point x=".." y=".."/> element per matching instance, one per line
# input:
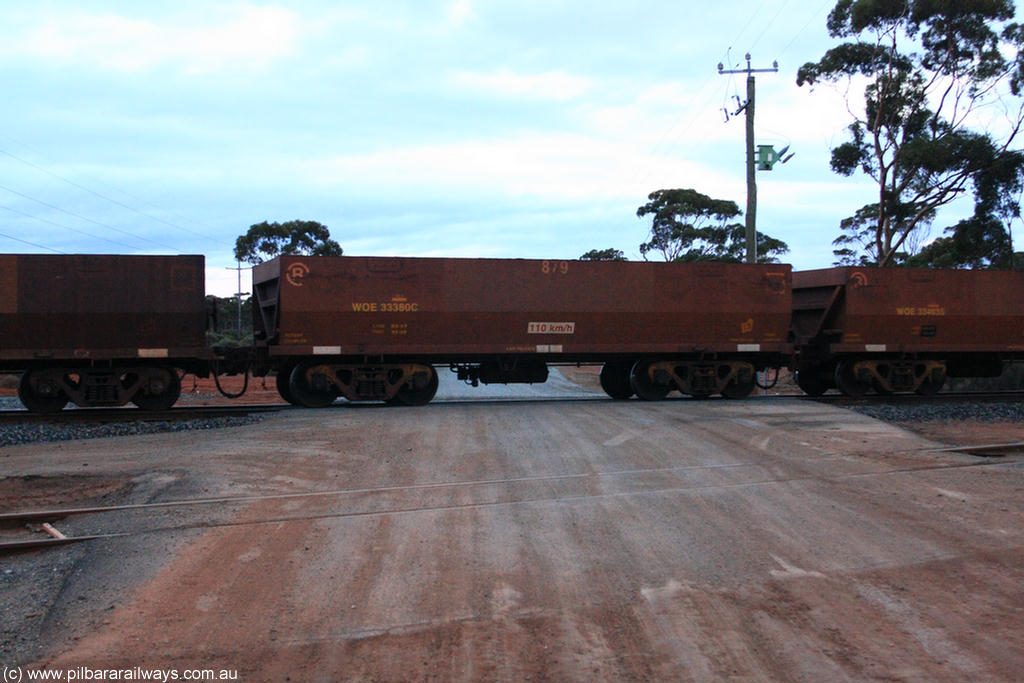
<point x="977" y="242"/>
<point x="932" y="66"/>
<point x="690" y="226"/>
<point x="604" y="255"/>
<point x="224" y="326"/>
<point x="265" y="240"/>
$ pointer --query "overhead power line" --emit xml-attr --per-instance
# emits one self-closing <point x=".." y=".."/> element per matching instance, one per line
<point x="31" y="244"/>
<point x="89" y="220"/>
<point x="162" y="210"/>
<point x="768" y="25"/>
<point x="803" y="28"/>
<point x="699" y="96"/>
<point x="106" y="198"/>
<point x="65" y="227"/>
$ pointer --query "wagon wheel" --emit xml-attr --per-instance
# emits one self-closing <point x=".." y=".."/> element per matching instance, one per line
<point x="811" y="382"/>
<point x="847" y="382"/>
<point x="879" y="389"/>
<point x="419" y="392"/>
<point x="310" y="389"/>
<point x="284" y="375"/>
<point x="645" y="387"/>
<point x="37" y="402"/>
<point x="155" y="395"/>
<point x="615" y="380"/>
<point x="736" y="389"/>
<point x="931" y="385"/>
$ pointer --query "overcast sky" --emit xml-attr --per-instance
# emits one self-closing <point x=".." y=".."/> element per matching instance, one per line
<point x="462" y="128"/>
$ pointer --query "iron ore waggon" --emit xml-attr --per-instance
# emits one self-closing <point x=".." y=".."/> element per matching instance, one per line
<point x="373" y="328"/>
<point x="102" y="330"/>
<point x="107" y="330"/>
<point x="903" y="329"/>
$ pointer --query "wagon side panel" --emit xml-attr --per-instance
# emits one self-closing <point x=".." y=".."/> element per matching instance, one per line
<point x="473" y="307"/>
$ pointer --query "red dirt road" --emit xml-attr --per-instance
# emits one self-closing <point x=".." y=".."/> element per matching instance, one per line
<point x="549" y="540"/>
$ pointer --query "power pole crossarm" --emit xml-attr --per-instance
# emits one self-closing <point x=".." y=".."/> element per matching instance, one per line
<point x="748" y="108"/>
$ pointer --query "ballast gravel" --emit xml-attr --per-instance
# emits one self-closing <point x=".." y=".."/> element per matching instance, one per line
<point x="40" y="432"/>
<point x="889" y="412"/>
<point x="995" y="411"/>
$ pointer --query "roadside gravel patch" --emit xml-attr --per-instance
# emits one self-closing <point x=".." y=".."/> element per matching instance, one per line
<point x="11" y="435"/>
<point x="943" y="412"/>
<point x="39" y="432"/>
<point x="964" y="423"/>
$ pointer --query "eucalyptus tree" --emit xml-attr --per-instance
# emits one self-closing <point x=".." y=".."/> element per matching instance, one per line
<point x="940" y="113"/>
<point x="264" y="241"/>
<point x="610" y="254"/>
<point x="687" y="225"/>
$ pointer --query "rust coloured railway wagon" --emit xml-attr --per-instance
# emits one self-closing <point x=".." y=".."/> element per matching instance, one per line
<point x="374" y="328"/>
<point x="904" y="329"/>
<point x="101" y="330"/>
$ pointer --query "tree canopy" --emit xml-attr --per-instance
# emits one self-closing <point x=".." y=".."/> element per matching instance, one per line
<point x="604" y="255"/>
<point x="941" y="109"/>
<point x="976" y="242"/>
<point x="690" y="226"/>
<point x="266" y="240"/>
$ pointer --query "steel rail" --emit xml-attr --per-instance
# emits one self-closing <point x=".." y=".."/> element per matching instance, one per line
<point x="10" y="519"/>
<point x="122" y="414"/>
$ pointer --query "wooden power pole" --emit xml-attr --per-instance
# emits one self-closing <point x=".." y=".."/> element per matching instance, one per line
<point x="748" y="108"/>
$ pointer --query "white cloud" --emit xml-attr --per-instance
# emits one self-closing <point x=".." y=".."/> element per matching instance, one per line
<point x="550" y="85"/>
<point x="560" y="166"/>
<point x="246" y="35"/>
<point x="460" y="12"/>
<point x="222" y="281"/>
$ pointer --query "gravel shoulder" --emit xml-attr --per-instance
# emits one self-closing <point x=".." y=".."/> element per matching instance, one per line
<point x="960" y="423"/>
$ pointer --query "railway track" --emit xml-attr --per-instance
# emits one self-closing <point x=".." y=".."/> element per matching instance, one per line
<point x="178" y="413"/>
<point x="944" y="397"/>
<point x="35" y="529"/>
<point x="110" y="415"/>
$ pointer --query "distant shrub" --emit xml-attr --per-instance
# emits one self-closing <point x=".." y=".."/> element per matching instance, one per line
<point x="228" y="339"/>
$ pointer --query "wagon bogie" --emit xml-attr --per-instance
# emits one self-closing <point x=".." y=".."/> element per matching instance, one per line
<point x="319" y="384"/>
<point x="895" y="375"/>
<point x="698" y="378"/>
<point x="48" y="389"/>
